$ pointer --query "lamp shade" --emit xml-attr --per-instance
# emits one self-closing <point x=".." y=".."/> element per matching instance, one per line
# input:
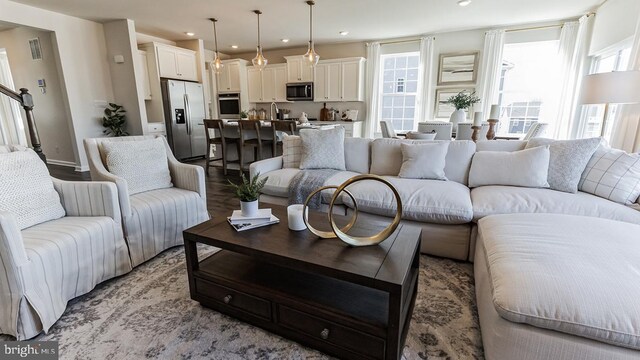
<point x="618" y="87"/>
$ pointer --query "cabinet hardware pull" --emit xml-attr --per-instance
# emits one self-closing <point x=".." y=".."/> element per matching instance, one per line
<point x="227" y="299"/>
<point x="324" y="334"/>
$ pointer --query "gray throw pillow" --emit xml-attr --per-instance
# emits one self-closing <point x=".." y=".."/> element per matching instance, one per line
<point x="612" y="174"/>
<point x="568" y="160"/>
<point x="322" y="149"/>
<point x="424" y="161"/>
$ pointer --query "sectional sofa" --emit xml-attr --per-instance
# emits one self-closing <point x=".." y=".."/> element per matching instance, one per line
<point x="556" y="273"/>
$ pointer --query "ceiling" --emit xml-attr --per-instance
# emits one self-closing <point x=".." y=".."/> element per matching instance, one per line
<point x="364" y="19"/>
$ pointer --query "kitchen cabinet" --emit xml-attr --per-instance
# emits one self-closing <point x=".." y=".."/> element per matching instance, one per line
<point x="229" y="78"/>
<point x="143" y="69"/>
<point x="339" y="80"/>
<point x="298" y="70"/>
<point x="176" y="63"/>
<point x="268" y="85"/>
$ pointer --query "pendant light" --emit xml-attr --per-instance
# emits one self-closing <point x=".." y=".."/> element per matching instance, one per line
<point x="259" y="61"/>
<point x="216" y="63"/>
<point x="311" y="57"/>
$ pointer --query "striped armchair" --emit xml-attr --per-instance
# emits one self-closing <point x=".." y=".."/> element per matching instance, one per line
<point x="154" y="220"/>
<point x="44" y="266"/>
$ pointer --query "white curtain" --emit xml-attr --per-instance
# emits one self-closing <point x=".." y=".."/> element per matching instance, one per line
<point x="490" y="74"/>
<point x="573" y="50"/>
<point x="425" y="105"/>
<point x="626" y="133"/>
<point x="11" y="125"/>
<point x="372" y="87"/>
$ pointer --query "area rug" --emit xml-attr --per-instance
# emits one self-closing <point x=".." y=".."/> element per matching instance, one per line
<point x="148" y="314"/>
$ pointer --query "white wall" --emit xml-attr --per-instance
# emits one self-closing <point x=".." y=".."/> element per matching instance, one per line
<point x="615" y="21"/>
<point x="86" y="84"/>
<point x="51" y="115"/>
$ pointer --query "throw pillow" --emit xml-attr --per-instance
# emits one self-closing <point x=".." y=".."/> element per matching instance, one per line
<point x="26" y="189"/>
<point x="291" y="151"/>
<point x="424" y="161"/>
<point x="568" y="160"/>
<point x="143" y="164"/>
<point x="322" y="149"/>
<point x="526" y="168"/>
<point x="612" y="174"/>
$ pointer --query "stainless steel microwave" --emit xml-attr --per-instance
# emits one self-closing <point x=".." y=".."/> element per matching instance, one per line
<point x="300" y="91"/>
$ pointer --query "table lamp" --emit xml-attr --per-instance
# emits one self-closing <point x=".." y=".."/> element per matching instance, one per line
<point x="618" y="87"/>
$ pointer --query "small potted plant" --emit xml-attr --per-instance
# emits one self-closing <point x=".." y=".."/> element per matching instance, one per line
<point x="114" y="120"/>
<point x="248" y="191"/>
<point x="244" y="115"/>
<point x="461" y="101"/>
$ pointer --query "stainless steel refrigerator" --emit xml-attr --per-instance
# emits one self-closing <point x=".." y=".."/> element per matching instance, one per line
<point x="184" y="111"/>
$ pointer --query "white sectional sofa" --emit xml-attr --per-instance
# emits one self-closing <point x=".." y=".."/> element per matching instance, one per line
<point x="447" y="211"/>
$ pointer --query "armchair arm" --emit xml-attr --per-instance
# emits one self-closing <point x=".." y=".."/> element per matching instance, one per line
<point x="12" y="251"/>
<point x="84" y="198"/>
<point x="188" y="177"/>
<point x="265" y="166"/>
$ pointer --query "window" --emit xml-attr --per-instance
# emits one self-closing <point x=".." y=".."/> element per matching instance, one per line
<point x="400" y="89"/>
<point x="528" y="69"/>
<point x="593" y="115"/>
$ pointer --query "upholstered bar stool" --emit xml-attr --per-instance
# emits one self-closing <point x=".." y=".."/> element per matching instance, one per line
<point x="288" y="127"/>
<point x="251" y="136"/>
<point x="443" y="129"/>
<point x="217" y="135"/>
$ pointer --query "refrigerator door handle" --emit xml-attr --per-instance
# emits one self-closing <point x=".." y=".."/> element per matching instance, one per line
<point x="188" y="113"/>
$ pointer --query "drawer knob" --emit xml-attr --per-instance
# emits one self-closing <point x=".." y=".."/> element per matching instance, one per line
<point x="324" y="334"/>
<point x="227" y="299"/>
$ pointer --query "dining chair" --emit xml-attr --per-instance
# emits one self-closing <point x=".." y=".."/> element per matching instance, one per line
<point x="465" y="131"/>
<point x="216" y="135"/>
<point x="415" y="135"/>
<point x="536" y="130"/>
<point x="284" y="126"/>
<point x="251" y="136"/>
<point x="443" y="129"/>
<point x="387" y="130"/>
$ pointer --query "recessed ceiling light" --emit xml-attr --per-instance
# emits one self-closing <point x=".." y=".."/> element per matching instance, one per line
<point x="464" y="2"/>
<point x="284" y="40"/>
<point x="344" y="33"/>
<point x="189" y="33"/>
<point x="234" y="46"/>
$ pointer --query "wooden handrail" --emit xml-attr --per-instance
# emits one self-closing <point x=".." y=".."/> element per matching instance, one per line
<point x="26" y="101"/>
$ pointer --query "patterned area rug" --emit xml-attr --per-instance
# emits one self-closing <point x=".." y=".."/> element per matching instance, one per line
<point x="148" y="314"/>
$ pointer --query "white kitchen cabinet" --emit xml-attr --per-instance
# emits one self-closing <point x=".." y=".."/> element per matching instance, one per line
<point x="176" y="63"/>
<point x="267" y="85"/>
<point x="327" y="86"/>
<point x="254" y="79"/>
<point x="352" y="80"/>
<point x="229" y="78"/>
<point x="143" y="69"/>
<point x="280" y="82"/>
<point x="339" y="80"/>
<point x="298" y="70"/>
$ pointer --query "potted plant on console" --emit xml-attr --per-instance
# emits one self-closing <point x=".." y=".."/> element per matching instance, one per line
<point x="461" y="101"/>
<point x="114" y="120"/>
<point x="248" y="191"/>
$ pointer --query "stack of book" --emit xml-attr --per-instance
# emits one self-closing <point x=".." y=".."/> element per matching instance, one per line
<point x="262" y="218"/>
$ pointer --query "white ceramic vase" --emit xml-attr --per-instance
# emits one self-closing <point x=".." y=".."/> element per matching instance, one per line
<point x="249" y="208"/>
<point x="457" y="117"/>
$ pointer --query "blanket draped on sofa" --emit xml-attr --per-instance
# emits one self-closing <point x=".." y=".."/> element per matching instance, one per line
<point x="305" y="182"/>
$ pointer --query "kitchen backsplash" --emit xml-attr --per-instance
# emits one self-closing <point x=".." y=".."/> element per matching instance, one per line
<point x="313" y="108"/>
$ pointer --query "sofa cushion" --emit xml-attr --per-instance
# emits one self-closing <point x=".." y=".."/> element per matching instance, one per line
<point x="357" y="154"/>
<point x="527" y="168"/>
<point x="492" y="200"/>
<point x="433" y="201"/>
<point x="291" y="151"/>
<point x="565" y="273"/>
<point x="26" y="189"/>
<point x="278" y="182"/>
<point x="501" y="145"/>
<point x="423" y="161"/>
<point x="386" y="157"/>
<point x="612" y="174"/>
<point x="322" y="149"/>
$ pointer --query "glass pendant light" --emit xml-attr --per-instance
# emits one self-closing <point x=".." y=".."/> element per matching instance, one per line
<point x="311" y="57"/>
<point x="259" y="61"/>
<point x="216" y="63"/>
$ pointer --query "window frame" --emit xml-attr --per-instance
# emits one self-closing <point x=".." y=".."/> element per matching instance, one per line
<point x="397" y="84"/>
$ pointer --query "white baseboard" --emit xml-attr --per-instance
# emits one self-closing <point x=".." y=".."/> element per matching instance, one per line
<point x="81" y="168"/>
<point x="61" y="163"/>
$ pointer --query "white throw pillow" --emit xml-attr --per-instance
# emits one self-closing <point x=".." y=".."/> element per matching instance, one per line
<point x="26" y="189"/>
<point x="612" y="174"/>
<point x="424" y="161"/>
<point x="142" y="163"/>
<point x="322" y="149"/>
<point x="526" y="168"/>
<point x="291" y="151"/>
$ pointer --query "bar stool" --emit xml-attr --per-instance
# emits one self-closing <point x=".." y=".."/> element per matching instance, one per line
<point x="286" y="126"/>
<point x="214" y="130"/>
<point x="250" y="135"/>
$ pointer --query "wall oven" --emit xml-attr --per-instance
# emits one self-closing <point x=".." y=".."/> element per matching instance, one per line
<point x="229" y="106"/>
<point x="300" y="91"/>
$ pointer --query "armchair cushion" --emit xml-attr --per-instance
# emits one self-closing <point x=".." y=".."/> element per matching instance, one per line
<point x="143" y="163"/>
<point x="26" y="189"/>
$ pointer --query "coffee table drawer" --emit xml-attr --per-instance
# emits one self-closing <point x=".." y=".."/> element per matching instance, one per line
<point x="338" y="335"/>
<point x="234" y="299"/>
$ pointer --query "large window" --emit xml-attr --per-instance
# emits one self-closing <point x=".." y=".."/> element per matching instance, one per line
<point x="593" y="115"/>
<point x="399" y="89"/>
<point x="528" y="74"/>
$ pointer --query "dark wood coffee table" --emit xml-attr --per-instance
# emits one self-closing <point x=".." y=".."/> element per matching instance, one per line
<point x="354" y="303"/>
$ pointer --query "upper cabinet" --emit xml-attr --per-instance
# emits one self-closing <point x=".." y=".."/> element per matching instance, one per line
<point x="230" y="78"/>
<point x="339" y="80"/>
<point x="143" y="69"/>
<point x="298" y="70"/>
<point x="176" y="63"/>
<point x="268" y="85"/>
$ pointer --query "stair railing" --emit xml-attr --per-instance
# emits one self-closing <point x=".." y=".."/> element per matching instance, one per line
<point x="26" y="101"/>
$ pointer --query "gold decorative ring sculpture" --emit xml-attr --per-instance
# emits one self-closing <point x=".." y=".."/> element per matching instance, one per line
<point x="341" y="233"/>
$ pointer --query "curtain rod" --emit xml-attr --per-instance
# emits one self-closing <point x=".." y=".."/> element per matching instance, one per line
<point x="542" y="27"/>
<point x="400" y="41"/>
